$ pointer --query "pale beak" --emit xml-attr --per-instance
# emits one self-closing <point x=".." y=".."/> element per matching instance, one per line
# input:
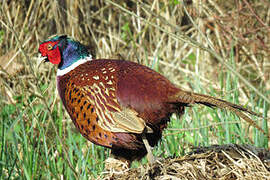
<point x="40" y="59"/>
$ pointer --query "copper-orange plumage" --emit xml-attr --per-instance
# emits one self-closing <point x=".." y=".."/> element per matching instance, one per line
<point x="119" y="104"/>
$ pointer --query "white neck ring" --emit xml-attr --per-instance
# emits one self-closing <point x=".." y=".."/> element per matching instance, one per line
<point x="61" y="72"/>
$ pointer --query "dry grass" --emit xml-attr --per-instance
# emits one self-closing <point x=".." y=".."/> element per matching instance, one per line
<point x="215" y="162"/>
<point x="213" y="47"/>
<point x="162" y="32"/>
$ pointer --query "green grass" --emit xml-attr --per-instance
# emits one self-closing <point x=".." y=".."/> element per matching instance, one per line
<point x="31" y="147"/>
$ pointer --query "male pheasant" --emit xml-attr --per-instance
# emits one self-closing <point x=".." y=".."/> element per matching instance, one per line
<point x="120" y="104"/>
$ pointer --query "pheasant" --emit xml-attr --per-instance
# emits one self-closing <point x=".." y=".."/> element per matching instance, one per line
<point x="120" y="104"/>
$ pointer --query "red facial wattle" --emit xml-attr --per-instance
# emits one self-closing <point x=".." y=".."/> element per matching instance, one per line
<point x="53" y="54"/>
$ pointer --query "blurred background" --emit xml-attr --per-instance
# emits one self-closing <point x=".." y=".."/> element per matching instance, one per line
<point x="219" y="48"/>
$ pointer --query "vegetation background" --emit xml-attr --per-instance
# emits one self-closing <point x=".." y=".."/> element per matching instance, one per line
<point x="219" y="48"/>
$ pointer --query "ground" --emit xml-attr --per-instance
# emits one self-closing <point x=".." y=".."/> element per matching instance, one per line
<point x="213" y="47"/>
<point x="214" y="162"/>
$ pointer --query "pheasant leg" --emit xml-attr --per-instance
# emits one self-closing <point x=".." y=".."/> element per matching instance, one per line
<point x="150" y="156"/>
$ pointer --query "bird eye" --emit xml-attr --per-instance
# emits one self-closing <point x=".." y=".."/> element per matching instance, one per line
<point x="49" y="47"/>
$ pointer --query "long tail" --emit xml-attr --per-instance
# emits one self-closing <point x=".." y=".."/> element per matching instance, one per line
<point x="195" y="98"/>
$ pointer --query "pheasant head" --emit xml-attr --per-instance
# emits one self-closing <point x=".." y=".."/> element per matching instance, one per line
<point x="64" y="52"/>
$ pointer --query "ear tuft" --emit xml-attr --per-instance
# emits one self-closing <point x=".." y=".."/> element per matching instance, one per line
<point x="61" y="37"/>
<point x="56" y="37"/>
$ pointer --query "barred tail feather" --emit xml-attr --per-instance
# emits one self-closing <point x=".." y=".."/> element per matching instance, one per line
<point x="195" y="98"/>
